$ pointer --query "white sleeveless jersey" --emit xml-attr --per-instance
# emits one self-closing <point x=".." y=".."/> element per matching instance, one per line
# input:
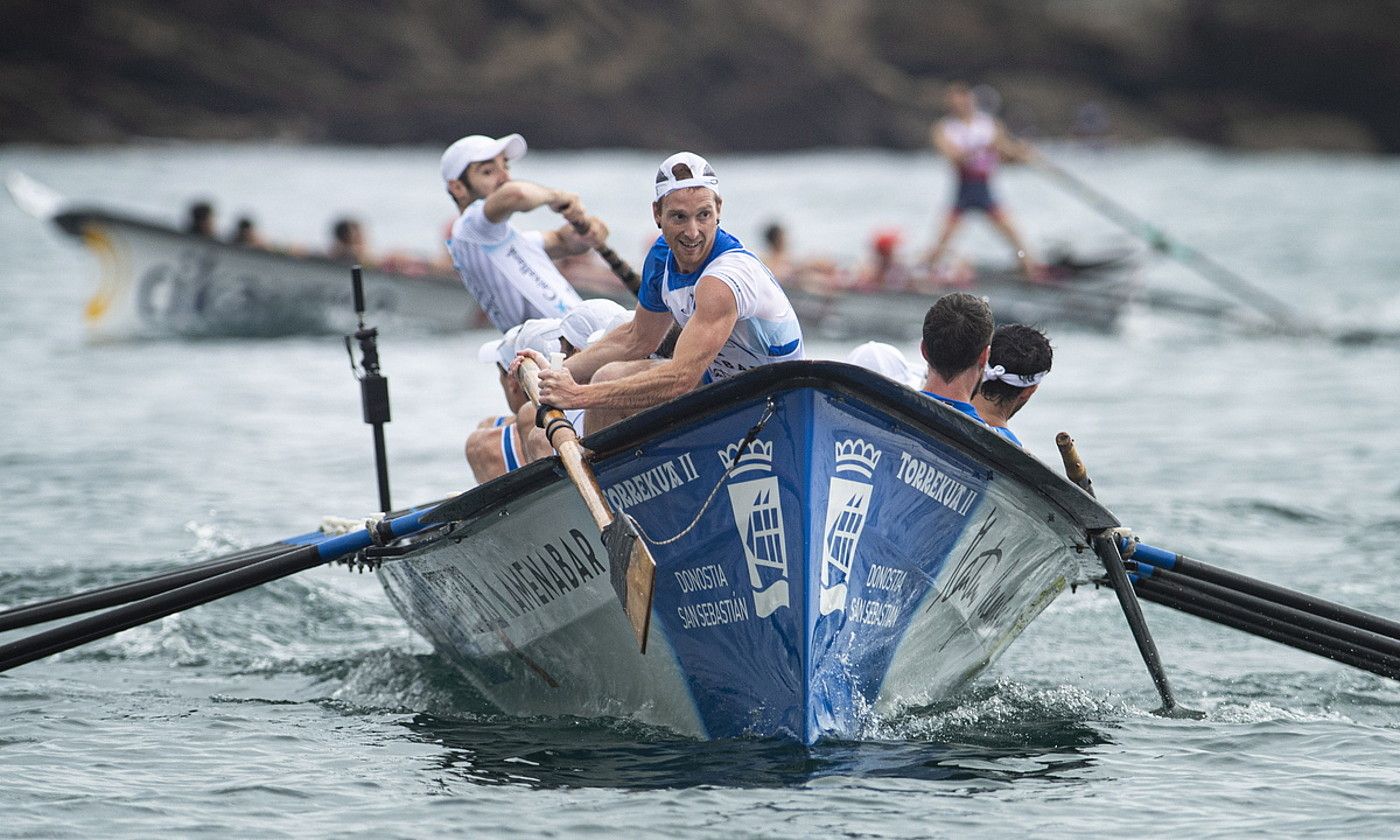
<point x="977" y="136"/>
<point x="767" y="330"/>
<point x="507" y="270"/>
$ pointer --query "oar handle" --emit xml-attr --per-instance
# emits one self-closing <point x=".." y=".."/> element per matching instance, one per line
<point x="619" y="266"/>
<point x="1074" y="465"/>
<point x="564" y="438"/>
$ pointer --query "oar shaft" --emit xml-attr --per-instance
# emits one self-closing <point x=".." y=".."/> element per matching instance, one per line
<point x="1202" y="607"/>
<point x="1170" y="561"/>
<point x="1107" y="551"/>
<point x="1268" y="611"/>
<point x="157" y="606"/>
<point x="109" y="596"/>
<point x="193" y="594"/>
<point x="1159" y="240"/>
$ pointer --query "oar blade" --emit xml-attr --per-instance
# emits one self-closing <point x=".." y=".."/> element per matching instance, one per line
<point x="633" y="573"/>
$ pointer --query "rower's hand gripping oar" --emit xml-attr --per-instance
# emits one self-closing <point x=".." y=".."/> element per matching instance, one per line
<point x="632" y="568"/>
<point x="1106" y="547"/>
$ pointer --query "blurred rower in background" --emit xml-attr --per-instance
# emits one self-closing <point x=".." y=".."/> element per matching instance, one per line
<point x="974" y="142"/>
<point x="201" y="219"/>
<point x="348" y="242"/>
<point x="245" y="233"/>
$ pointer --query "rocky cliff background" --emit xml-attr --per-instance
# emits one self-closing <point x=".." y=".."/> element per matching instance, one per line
<point x="714" y="74"/>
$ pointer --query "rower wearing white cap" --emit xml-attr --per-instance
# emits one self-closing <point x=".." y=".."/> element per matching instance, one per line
<point x="510" y="272"/>
<point x="733" y="314"/>
<point x="887" y="360"/>
<point x="495" y="447"/>
<point x="501" y="444"/>
<point x="1020" y="359"/>
<point x="583" y="325"/>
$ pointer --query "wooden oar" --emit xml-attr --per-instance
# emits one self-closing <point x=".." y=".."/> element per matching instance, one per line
<point x="1282" y="314"/>
<point x="632" y="568"/>
<point x="1107" y="550"/>
<point x="246" y="576"/>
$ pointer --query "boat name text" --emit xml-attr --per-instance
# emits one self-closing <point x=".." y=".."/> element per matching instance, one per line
<point x="657" y="481"/>
<point x="936" y="484"/>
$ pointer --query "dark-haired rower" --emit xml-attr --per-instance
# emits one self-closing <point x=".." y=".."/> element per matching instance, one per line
<point x="1019" y="361"/>
<point x="956" y="345"/>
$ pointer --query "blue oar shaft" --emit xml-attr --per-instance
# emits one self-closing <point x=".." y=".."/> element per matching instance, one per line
<point x="1163" y="559"/>
<point x="110" y="596"/>
<point x="199" y="592"/>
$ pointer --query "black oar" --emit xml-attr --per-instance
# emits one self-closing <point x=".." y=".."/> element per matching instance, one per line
<point x="1345" y="636"/>
<point x="122" y="593"/>
<point x="1305" y="636"/>
<point x="1282" y="314"/>
<point x="1107" y="550"/>
<point x="202" y="591"/>
<point x="1172" y="562"/>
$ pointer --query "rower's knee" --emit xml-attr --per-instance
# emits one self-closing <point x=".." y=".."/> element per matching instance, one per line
<point x="483" y="451"/>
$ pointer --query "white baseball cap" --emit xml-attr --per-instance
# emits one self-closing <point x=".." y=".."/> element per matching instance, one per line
<point x="538" y="334"/>
<point x="886" y="360"/>
<point x="479" y="147"/>
<point x="589" y="321"/>
<point x="702" y="174"/>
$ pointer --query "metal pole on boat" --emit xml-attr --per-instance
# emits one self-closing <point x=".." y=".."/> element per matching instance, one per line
<point x="1106" y="547"/>
<point x="374" y="387"/>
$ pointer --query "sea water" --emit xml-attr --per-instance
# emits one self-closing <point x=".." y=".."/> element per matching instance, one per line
<point x="307" y="708"/>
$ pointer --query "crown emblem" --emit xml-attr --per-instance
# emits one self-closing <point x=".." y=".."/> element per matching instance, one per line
<point x="856" y="456"/>
<point x="758" y="456"/>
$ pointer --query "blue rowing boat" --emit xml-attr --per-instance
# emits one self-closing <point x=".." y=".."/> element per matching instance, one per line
<point x="830" y="547"/>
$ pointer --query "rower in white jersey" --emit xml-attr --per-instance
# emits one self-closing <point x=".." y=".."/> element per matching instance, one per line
<point x="510" y="272"/>
<point x="974" y="142"/>
<point x="732" y="312"/>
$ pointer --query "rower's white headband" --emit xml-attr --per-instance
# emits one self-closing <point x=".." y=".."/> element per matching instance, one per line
<point x="1016" y="380"/>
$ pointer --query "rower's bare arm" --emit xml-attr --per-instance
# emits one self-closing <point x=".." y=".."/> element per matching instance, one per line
<point x="635" y="339"/>
<point x="1012" y="148"/>
<point x="524" y="196"/>
<point x="704" y="335"/>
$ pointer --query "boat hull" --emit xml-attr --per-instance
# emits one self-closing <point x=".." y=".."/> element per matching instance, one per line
<point x="867" y="551"/>
<point x="157" y="282"/>
<point x="1090" y="296"/>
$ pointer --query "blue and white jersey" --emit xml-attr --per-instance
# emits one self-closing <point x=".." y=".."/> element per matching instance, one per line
<point x="1007" y="433"/>
<point x="767" y="330"/>
<point x="507" y="270"/>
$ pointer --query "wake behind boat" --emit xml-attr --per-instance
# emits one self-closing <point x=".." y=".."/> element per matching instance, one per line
<point x="830" y="547"/>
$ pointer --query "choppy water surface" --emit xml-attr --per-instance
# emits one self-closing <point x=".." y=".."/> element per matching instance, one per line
<point x="308" y="708"/>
